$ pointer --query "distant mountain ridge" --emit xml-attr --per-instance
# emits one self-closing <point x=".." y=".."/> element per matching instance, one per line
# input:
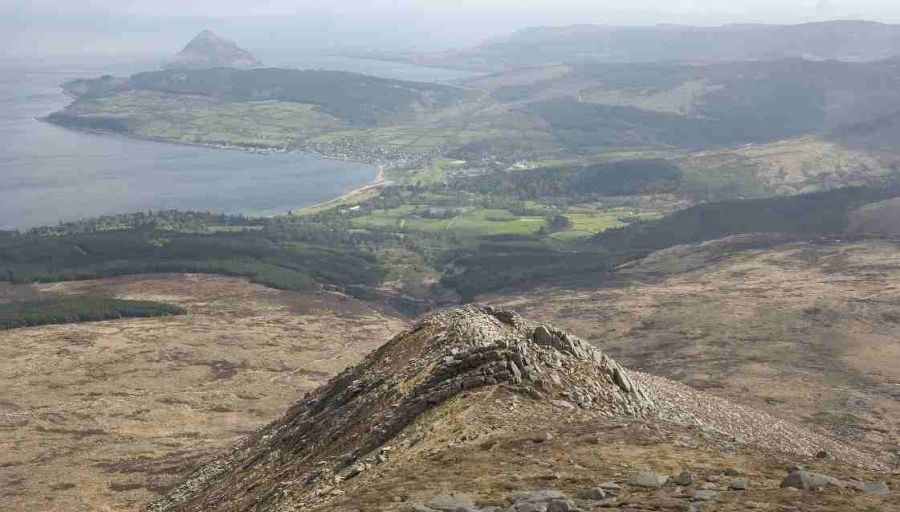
<point x="851" y="41"/>
<point x="208" y="50"/>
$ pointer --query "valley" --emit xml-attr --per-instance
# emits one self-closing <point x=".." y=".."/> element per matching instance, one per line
<point x="631" y="279"/>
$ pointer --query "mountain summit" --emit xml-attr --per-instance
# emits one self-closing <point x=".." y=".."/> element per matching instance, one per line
<point x="480" y="399"/>
<point x="208" y="50"/>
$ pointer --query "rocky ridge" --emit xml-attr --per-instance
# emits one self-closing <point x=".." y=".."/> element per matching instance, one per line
<point x="376" y="410"/>
<point x="365" y="406"/>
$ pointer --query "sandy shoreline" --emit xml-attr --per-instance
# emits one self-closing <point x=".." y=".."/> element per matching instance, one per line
<point x="379" y="182"/>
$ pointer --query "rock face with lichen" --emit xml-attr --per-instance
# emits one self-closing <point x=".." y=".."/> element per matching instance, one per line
<point x="358" y="411"/>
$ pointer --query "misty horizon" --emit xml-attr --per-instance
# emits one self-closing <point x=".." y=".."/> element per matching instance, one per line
<point x="43" y="28"/>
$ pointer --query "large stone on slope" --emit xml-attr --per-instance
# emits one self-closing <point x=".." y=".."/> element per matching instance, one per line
<point x="528" y="506"/>
<point x="874" y="488"/>
<point x="806" y="481"/>
<point x="561" y="505"/>
<point x="610" y="486"/>
<point x="596" y="494"/>
<point x="703" y="495"/>
<point x="649" y="480"/>
<point x="451" y="503"/>
<point x="542" y="496"/>
<point x="684" y="478"/>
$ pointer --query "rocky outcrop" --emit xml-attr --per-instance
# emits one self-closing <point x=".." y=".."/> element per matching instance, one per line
<point x="341" y="429"/>
<point x="476" y="373"/>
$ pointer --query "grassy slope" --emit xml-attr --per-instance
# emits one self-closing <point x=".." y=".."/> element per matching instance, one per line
<point x="772" y="325"/>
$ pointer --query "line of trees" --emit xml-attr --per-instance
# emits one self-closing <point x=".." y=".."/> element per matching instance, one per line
<point x="64" y="310"/>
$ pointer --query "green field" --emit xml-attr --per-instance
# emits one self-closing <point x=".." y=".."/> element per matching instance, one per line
<point x="486" y="222"/>
<point x="586" y="223"/>
<point x="190" y="119"/>
<point x="475" y="222"/>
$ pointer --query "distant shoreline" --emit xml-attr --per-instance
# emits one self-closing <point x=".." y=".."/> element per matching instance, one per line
<point x="377" y="182"/>
<point x="309" y="178"/>
<point x="253" y="150"/>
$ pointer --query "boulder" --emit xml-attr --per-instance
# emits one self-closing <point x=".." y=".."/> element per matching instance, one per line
<point x="607" y="503"/>
<point x="649" y="480"/>
<point x="597" y="493"/>
<point x="542" y="437"/>
<point x="806" y="481"/>
<point x="530" y="506"/>
<point x="451" y="503"/>
<point x="684" y="478"/>
<point x="610" y="486"/>
<point x="542" y="336"/>
<point x="542" y="496"/>
<point x="561" y="505"/>
<point x="703" y="495"/>
<point x="873" y="488"/>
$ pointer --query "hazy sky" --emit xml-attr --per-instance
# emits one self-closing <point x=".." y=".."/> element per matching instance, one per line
<point x="598" y="10"/>
<point x="32" y="27"/>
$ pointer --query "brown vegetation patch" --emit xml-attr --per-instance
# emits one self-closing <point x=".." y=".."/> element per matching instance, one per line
<point x="145" y="401"/>
<point x="803" y="329"/>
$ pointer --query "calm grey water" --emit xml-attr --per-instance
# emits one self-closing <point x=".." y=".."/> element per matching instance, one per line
<point x="50" y="174"/>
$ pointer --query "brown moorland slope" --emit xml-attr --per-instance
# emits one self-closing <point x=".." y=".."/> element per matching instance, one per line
<point x="107" y="415"/>
<point x="807" y="330"/>
<point x="881" y="218"/>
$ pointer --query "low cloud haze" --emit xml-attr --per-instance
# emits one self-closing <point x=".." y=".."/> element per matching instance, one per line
<point x="160" y="27"/>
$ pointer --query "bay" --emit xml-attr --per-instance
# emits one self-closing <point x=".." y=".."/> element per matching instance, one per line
<point x="49" y="174"/>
